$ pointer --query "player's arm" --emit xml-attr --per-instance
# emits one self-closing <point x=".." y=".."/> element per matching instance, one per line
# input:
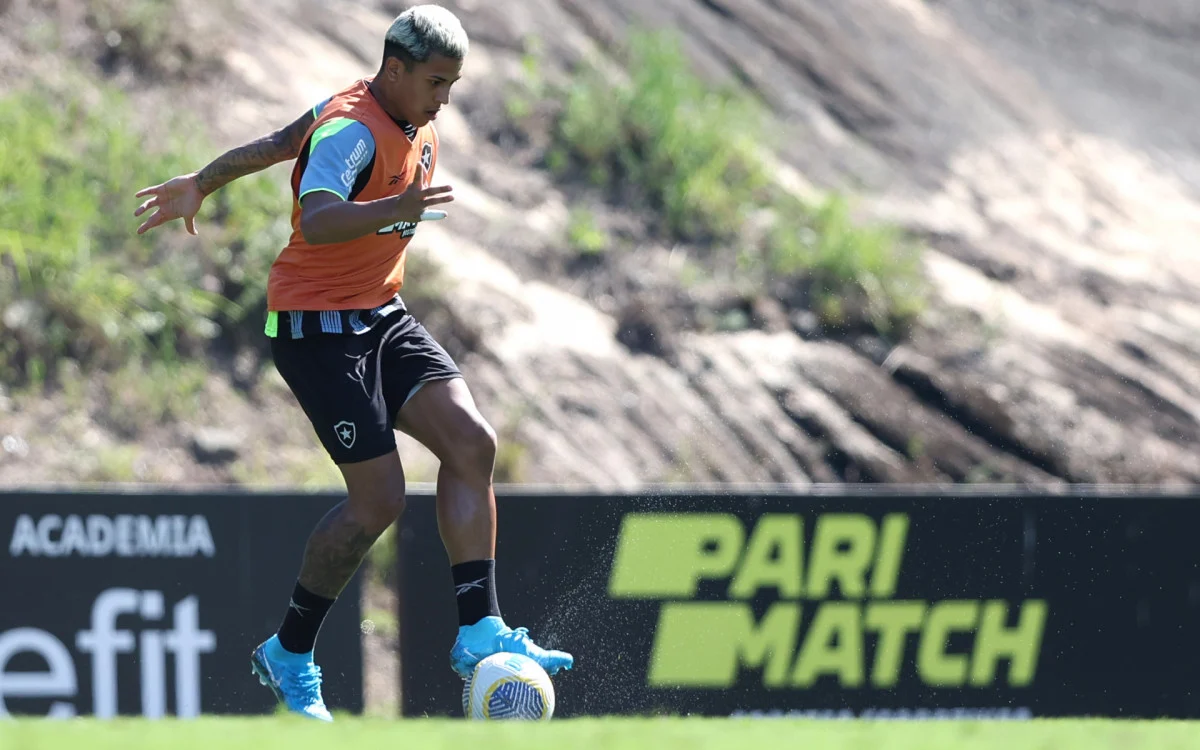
<point x="182" y="196"/>
<point x="326" y="218"/>
<point x="338" y="164"/>
<point x="282" y="145"/>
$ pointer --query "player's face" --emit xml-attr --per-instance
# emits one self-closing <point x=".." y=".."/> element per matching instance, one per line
<point x="424" y="90"/>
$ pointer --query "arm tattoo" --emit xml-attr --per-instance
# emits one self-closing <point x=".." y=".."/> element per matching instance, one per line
<point x="282" y="145"/>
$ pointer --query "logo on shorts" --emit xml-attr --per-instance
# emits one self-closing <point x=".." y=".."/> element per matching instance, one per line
<point x="346" y="433"/>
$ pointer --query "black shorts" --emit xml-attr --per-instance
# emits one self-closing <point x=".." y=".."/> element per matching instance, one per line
<point x="352" y="386"/>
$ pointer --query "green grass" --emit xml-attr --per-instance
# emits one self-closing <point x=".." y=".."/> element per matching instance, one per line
<point x="583" y="235"/>
<point x="695" y="154"/>
<point x="611" y="734"/>
<point x="76" y="280"/>
<point x="872" y="267"/>
<point x="668" y="133"/>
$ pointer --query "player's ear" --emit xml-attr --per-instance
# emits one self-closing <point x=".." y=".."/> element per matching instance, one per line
<point x="394" y="67"/>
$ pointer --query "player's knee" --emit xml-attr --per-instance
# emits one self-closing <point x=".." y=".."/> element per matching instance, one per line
<point x="377" y="495"/>
<point x="381" y="509"/>
<point x="474" y="452"/>
<point x="392" y="507"/>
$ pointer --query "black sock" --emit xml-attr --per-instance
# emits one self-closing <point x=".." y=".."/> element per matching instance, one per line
<point x="475" y="590"/>
<point x="306" y="611"/>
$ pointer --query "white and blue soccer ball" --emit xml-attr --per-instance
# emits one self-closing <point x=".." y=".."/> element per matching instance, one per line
<point x="508" y="686"/>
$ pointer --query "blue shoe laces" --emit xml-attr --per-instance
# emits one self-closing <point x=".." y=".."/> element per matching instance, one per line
<point x="302" y="682"/>
<point x="516" y="634"/>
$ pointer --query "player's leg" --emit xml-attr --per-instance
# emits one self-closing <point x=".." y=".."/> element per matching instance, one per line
<point x="441" y="414"/>
<point x="336" y="380"/>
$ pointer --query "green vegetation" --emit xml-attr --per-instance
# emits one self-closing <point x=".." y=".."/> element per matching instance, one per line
<point x="114" y="464"/>
<point x="511" y="458"/>
<point x="297" y="467"/>
<point x="612" y="734"/>
<point x="523" y="101"/>
<point x="512" y="455"/>
<point x="140" y="394"/>
<point x="77" y="282"/>
<point x="871" y="266"/>
<point x="695" y="154"/>
<point x="583" y="234"/>
<point x="669" y="134"/>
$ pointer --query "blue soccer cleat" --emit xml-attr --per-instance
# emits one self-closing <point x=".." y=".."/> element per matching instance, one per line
<point x="491" y="636"/>
<point x="294" y="679"/>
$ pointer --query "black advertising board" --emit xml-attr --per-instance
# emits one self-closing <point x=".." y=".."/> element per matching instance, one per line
<point x="150" y="604"/>
<point x="833" y="605"/>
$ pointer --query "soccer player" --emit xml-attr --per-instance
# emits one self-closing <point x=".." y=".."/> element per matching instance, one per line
<point x="356" y="360"/>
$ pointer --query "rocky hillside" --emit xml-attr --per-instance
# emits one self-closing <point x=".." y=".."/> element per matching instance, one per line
<point x="1046" y="153"/>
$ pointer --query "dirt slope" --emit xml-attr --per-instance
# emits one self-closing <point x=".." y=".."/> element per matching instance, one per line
<point x="1046" y="151"/>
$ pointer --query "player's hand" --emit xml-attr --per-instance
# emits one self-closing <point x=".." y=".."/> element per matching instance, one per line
<point x="418" y="198"/>
<point x="177" y="198"/>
